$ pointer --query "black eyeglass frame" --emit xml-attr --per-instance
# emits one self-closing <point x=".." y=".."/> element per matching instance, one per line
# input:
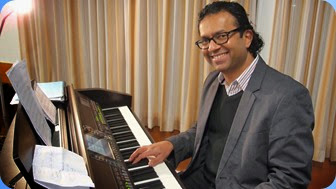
<point x="227" y="34"/>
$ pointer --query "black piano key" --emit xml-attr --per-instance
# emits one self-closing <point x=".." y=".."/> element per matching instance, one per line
<point x="115" y="118"/>
<point x="126" y="156"/>
<point x="114" y="111"/>
<point x="128" y="144"/>
<point x="141" y="171"/>
<point x="142" y="162"/>
<point x="108" y="113"/>
<point x="157" y="184"/>
<point x="111" y="116"/>
<point x="128" y="135"/>
<point x="127" y="153"/>
<point x="118" y="122"/>
<point x="120" y="129"/>
<point x="143" y="174"/>
<point x="123" y="136"/>
<point x="120" y="133"/>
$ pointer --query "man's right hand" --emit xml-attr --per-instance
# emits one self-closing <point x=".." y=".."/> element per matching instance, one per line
<point x="155" y="153"/>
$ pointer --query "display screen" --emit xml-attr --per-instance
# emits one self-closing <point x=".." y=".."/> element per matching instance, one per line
<point x="98" y="145"/>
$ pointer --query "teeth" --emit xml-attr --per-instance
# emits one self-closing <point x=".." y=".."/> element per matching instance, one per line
<point x="219" y="56"/>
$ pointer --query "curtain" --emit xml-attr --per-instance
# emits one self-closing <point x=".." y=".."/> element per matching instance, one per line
<point x="141" y="47"/>
<point x="304" y="46"/>
<point x="146" y="48"/>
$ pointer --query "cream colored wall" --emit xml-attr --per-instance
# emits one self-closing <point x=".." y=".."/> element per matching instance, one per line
<point x="264" y="20"/>
<point x="9" y="40"/>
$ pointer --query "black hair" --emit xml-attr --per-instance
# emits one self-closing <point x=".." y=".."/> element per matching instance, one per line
<point x="242" y="21"/>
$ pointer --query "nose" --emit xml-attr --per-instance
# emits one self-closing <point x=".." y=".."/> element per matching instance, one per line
<point x="213" y="45"/>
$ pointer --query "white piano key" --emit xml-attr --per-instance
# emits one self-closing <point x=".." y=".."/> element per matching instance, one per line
<point x="125" y="141"/>
<point x="117" y="127"/>
<point x="134" y="126"/>
<point x="122" y="132"/>
<point x="136" y="168"/>
<point x="128" y="148"/>
<point x="146" y="181"/>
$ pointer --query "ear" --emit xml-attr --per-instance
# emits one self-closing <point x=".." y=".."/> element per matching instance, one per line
<point x="248" y="36"/>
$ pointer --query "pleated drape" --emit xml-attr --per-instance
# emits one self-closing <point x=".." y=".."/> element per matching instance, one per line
<point x="303" y="46"/>
<point x="146" y="48"/>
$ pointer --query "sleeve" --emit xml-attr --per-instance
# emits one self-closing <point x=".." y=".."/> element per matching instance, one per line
<point x="184" y="142"/>
<point x="183" y="146"/>
<point x="291" y="142"/>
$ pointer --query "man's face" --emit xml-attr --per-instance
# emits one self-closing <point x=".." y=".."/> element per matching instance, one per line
<point x="228" y="58"/>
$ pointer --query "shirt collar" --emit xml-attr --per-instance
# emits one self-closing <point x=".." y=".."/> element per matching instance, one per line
<point x="241" y="82"/>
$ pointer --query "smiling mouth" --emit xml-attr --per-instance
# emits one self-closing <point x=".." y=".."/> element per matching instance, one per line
<point x="219" y="56"/>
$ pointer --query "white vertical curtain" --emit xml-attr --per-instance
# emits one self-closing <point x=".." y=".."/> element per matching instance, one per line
<point x="304" y="46"/>
<point x="146" y="48"/>
<point x="141" y="47"/>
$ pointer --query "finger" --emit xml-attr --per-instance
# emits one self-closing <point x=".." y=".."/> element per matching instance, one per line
<point x="145" y="154"/>
<point x="154" y="161"/>
<point x="137" y="152"/>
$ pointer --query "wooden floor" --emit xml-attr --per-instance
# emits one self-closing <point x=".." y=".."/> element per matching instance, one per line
<point x="323" y="174"/>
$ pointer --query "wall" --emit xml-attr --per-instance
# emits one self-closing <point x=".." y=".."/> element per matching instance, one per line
<point x="9" y="40"/>
<point x="264" y="23"/>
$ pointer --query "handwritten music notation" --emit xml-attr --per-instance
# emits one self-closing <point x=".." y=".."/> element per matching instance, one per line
<point x="55" y="167"/>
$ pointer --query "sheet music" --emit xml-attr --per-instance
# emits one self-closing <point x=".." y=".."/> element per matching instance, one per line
<point x="55" y="167"/>
<point x="47" y="106"/>
<point x="18" y="76"/>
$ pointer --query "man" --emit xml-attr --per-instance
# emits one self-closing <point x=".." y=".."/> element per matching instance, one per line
<point x="254" y="127"/>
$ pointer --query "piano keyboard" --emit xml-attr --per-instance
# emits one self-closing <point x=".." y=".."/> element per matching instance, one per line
<point x="129" y="135"/>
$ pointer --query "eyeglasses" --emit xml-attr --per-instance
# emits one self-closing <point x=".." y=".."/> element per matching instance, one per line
<point x="219" y="39"/>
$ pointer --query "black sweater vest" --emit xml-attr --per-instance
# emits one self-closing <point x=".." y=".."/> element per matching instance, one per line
<point x="218" y="126"/>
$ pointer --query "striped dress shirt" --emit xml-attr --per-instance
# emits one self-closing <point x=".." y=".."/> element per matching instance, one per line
<point x="241" y="82"/>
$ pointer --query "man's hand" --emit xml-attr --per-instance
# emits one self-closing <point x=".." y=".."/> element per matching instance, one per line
<point x="155" y="153"/>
